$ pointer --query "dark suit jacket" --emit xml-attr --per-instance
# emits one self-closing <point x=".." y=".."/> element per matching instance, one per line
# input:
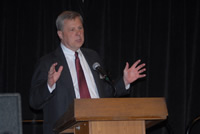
<point x="56" y="103"/>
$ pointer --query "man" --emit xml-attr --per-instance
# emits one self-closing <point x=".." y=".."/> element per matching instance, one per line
<point x="55" y="83"/>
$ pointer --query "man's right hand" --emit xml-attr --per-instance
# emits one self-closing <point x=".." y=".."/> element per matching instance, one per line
<point x="53" y="76"/>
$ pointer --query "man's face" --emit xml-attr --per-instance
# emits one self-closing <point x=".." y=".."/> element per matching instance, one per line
<point x="72" y="35"/>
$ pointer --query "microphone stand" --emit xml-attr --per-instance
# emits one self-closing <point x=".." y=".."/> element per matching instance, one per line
<point x="109" y="81"/>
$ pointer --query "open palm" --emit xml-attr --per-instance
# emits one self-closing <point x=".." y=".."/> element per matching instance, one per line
<point x="134" y="72"/>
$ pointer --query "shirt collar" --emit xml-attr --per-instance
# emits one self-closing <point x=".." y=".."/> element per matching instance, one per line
<point x="68" y="51"/>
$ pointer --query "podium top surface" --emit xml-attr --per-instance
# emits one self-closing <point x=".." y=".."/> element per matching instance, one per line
<point x="120" y="109"/>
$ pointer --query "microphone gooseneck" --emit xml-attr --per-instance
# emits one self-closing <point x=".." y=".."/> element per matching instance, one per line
<point x="96" y="66"/>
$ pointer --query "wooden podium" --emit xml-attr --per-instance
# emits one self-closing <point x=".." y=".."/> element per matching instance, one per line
<point x="112" y="116"/>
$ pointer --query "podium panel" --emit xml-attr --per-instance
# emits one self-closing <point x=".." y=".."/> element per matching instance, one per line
<point x="117" y="127"/>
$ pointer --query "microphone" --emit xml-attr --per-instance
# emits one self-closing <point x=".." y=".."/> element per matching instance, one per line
<point x="96" y="66"/>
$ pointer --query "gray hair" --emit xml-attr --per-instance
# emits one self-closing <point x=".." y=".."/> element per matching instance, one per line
<point x="66" y="15"/>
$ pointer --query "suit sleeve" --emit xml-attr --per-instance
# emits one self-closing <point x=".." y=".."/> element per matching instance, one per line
<point x="39" y="93"/>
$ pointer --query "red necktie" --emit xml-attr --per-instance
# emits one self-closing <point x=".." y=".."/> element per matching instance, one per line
<point x="83" y="88"/>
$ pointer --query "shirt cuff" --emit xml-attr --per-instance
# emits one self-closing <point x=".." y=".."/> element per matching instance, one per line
<point x="51" y="88"/>
<point x="127" y="86"/>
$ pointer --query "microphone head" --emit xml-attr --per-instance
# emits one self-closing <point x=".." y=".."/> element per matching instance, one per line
<point x="95" y="65"/>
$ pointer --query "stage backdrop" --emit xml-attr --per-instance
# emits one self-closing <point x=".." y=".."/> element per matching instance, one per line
<point x="162" y="33"/>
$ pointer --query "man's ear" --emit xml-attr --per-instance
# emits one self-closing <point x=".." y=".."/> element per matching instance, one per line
<point x="60" y="35"/>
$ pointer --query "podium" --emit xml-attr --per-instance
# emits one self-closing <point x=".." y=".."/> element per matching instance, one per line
<point x="112" y="116"/>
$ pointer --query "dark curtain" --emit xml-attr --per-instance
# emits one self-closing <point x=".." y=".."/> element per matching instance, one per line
<point x="162" y="33"/>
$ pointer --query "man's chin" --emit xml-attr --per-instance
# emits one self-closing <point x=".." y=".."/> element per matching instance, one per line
<point x="79" y="44"/>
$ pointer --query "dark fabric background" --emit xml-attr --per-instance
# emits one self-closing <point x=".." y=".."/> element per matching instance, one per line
<point x="162" y="33"/>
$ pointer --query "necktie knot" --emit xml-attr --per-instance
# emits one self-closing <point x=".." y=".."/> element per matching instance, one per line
<point x="76" y="55"/>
